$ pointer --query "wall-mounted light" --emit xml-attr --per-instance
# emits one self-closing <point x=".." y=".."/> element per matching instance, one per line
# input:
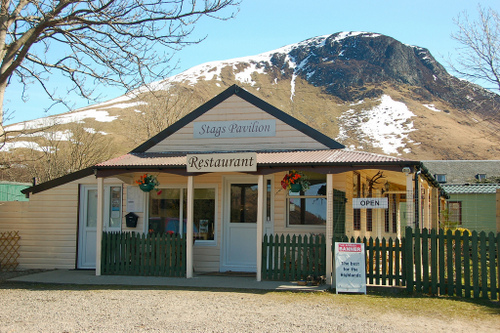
<point x="406" y="170"/>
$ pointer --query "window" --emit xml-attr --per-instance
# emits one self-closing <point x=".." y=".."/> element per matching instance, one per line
<point x="394" y="213"/>
<point x="244" y="203"/>
<point x="387" y="216"/>
<point x="455" y="212"/>
<point x="356" y="183"/>
<point x="369" y="219"/>
<point x="309" y="207"/>
<point x="481" y="177"/>
<point x="268" y="200"/>
<point x="115" y="207"/>
<point x="441" y="178"/>
<point x="169" y="207"/>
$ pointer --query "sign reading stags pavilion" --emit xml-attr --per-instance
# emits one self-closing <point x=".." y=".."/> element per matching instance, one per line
<point x="238" y="162"/>
<point x="234" y="129"/>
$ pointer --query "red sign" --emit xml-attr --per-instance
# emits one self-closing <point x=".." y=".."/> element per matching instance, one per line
<point x="349" y="247"/>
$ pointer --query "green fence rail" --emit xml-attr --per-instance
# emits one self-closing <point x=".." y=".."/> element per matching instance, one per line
<point x="125" y="253"/>
<point x="292" y="258"/>
<point x="463" y="265"/>
<point x="384" y="260"/>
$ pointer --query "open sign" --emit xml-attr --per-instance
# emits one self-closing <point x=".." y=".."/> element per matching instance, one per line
<point x="373" y="203"/>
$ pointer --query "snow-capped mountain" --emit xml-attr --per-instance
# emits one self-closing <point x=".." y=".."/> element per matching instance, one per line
<point x="366" y="90"/>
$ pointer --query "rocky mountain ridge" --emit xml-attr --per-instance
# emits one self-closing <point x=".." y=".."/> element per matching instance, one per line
<point x="366" y="90"/>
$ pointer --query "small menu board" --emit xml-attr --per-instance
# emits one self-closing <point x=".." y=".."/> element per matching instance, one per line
<point x="350" y="267"/>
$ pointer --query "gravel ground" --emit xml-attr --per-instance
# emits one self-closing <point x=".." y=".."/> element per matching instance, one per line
<point x="49" y="308"/>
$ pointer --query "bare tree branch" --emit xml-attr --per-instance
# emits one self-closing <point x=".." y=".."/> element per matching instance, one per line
<point x="127" y="43"/>
<point x="478" y="59"/>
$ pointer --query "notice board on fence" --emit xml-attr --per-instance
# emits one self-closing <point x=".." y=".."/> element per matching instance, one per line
<point x="350" y="267"/>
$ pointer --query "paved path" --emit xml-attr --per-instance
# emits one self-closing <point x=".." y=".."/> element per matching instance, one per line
<point x="87" y="277"/>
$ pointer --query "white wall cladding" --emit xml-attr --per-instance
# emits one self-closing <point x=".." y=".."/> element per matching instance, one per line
<point x="235" y="108"/>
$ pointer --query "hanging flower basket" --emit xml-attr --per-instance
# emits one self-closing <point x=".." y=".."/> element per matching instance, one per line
<point x="147" y="183"/>
<point x="296" y="187"/>
<point x="146" y="187"/>
<point x="295" y="181"/>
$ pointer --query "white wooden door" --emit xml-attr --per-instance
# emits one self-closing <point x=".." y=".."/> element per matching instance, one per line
<point x="240" y="225"/>
<point x="88" y="227"/>
<point x="112" y="220"/>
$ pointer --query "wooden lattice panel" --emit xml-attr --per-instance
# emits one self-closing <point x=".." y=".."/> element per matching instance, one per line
<point x="9" y="250"/>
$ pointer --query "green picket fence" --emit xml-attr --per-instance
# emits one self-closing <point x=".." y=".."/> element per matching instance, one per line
<point x="384" y="260"/>
<point x="125" y="253"/>
<point x="463" y="265"/>
<point x="292" y="258"/>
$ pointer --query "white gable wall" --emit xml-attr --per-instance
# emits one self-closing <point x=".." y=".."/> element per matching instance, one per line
<point x="234" y="109"/>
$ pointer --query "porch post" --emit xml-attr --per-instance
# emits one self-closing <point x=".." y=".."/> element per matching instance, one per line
<point x="189" y="227"/>
<point x="260" y="224"/>
<point x="498" y="209"/>
<point x="330" y="277"/>
<point x="99" y="226"/>
<point x="410" y="218"/>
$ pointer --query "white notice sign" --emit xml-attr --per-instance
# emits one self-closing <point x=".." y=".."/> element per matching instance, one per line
<point x="358" y="203"/>
<point x="350" y="269"/>
<point x="135" y="199"/>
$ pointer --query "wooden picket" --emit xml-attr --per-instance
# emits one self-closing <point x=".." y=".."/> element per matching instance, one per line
<point x="126" y="253"/>
<point x="294" y="257"/>
<point x="463" y="265"/>
<point x="435" y="262"/>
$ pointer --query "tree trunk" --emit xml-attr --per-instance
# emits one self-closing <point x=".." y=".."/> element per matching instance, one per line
<point x="3" y="87"/>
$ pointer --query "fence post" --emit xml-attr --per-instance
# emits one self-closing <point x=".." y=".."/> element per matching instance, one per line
<point x="265" y="263"/>
<point x="484" y="268"/>
<point x="458" y="263"/>
<point x="498" y="257"/>
<point x="409" y="258"/>
<point x="434" y="265"/>
<point x="467" y="281"/>
<point x="493" y="257"/>
<point x="425" y="260"/>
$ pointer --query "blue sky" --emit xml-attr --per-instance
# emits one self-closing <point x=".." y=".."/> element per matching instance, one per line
<point x="265" y="25"/>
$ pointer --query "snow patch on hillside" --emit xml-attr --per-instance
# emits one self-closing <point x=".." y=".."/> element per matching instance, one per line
<point x="432" y="107"/>
<point x="9" y="146"/>
<point x="66" y="118"/>
<point x="386" y="126"/>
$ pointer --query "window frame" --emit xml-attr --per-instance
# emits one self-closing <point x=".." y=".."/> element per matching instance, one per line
<point x="304" y="226"/>
<point x="287" y="210"/>
<point x="440" y="178"/>
<point x="198" y="242"/>
<point x="481" y="177"/>
<point x="459" y="211"/>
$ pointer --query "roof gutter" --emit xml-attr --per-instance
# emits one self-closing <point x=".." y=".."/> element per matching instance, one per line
<point x="430" y="178"/>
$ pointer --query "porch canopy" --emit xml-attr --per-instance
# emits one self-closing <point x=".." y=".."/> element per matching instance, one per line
<point x="329" y="162"/>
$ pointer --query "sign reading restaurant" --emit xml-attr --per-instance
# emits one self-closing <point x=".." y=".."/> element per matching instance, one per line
<point x="234" y="129"/>
<point x="238" y="162"/>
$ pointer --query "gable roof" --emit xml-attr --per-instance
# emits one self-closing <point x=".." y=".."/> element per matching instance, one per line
<point x="463" y="171"/>
<point x="248" y="97"/>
